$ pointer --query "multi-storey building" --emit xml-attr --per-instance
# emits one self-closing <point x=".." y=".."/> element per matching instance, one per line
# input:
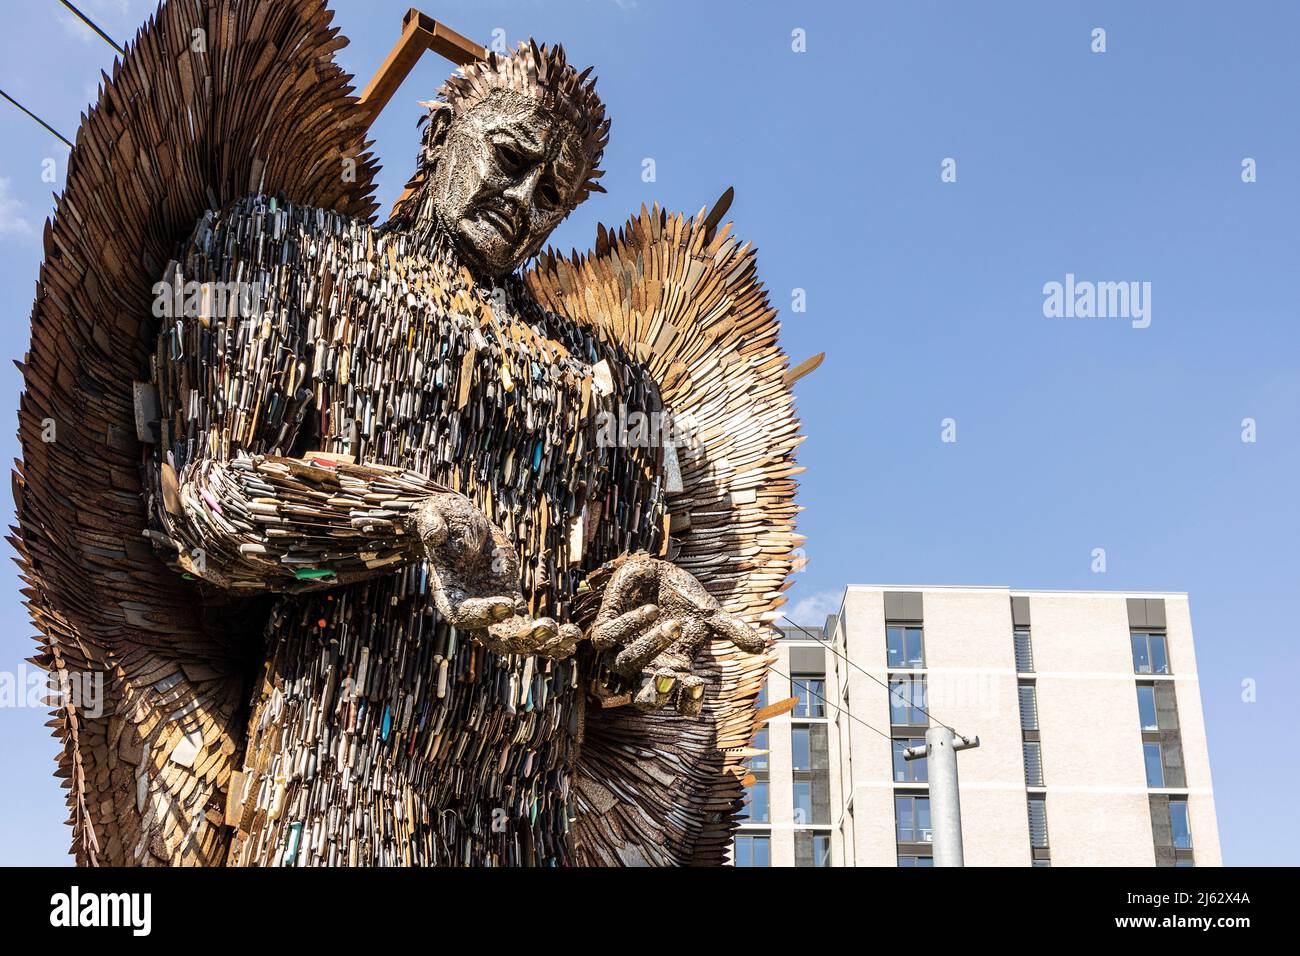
<point x="1092" y="741"/>
<point x="788" y="819"/>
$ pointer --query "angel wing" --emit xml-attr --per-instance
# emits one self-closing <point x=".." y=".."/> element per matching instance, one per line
<point x="214" y="99"/>
<point x="684" y="296"/>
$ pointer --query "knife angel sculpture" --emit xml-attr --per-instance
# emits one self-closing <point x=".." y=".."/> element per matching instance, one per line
<point x="386" y="551"/>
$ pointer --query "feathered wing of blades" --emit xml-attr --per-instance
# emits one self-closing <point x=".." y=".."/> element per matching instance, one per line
<point x="683" y="295"/>
<point x="214" y="99"/>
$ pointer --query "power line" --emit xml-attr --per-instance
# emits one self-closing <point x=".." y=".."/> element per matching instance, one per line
<point x="91" y="23"/>
<point x="37" y="118"/>
<point x="829" y="704"/>
<point x="868" y="673"/>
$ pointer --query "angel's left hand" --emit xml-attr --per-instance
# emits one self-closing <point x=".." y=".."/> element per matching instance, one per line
<point x="657" y="618"/>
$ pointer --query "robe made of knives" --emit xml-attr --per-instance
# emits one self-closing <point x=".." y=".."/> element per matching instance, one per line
<point x="392" y="745"/>
<point x="392" y="368"/>
<point x="381" y="736"/>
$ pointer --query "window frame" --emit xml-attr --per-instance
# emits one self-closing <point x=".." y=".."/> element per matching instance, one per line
<point x="1155" y="710"/>
<point x="920" y="763"/>
<point x="1187" y="823"/>
<point x="915" y="830"/>
<point x="1146" y="639"/>
<point x="909" y="709"/>
<point x="751" y="840"/>
<point x="813" y="699"/>
<point x="907" y="662"/>
<point x="1160" y="762"/>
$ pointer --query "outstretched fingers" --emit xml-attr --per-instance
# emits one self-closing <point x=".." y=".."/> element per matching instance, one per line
<point x="737" y="631"/>
<point x="618" y="630"/>
<point x="476" y="613"/>
<point x="634" y="658"/>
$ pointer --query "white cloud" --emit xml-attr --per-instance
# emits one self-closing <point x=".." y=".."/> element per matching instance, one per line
<point x="12" y="223"/>
<point x="814" y="608"/>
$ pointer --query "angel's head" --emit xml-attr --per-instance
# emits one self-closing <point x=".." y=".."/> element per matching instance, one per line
<point x="510" y="148"/>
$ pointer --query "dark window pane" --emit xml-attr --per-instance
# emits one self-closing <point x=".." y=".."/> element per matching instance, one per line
<point x="907" y="701"/>
<point x="908" y="771"/>
<point x="915" y="650"/>
<point x="762" y="696"/>
<point x="1155" y="768"/>
<point x="1159" y="659"/>
<point x="1180" y="824"/>
<point x="744" y="855"/>
<point x="811" y="692"/>
<point x="753" y="851"/>
<point x="801" y="749"/>
<point x="1141" y="659"/>
<point x="1147" y="707"/>
<point x="756" y="810"/>
<point x="898" y="709"/>
<point x="821" y="851"/>
<point x="903" y="816"/>
<point x="913" y="819"/>
<point x="1184" y="863"/>
<point x="760" y="743"/>
<point x="916" y="861"/>
<point x="894" y="645"/>
<point x="803" y="804"/>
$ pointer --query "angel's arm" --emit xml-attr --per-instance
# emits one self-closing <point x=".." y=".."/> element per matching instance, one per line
<point x="236" y="369"/>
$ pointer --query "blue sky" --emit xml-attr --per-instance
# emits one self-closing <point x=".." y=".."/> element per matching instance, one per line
<point x="1072" y="434"/>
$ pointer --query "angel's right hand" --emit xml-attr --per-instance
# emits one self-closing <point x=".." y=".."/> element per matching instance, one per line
<point x="475" y="580"/>
<point x="473" y="566"/>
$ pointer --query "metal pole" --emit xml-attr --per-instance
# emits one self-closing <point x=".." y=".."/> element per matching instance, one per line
<point x="940" y="751"/>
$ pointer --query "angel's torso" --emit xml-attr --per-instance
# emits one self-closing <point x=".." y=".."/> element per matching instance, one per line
<point x="378" y="735"/>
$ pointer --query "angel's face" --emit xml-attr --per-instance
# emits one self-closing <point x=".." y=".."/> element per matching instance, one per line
<point x="506" y="175"/>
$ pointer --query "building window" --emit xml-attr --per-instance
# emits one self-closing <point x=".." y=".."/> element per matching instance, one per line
<point x="912" y="815"/>
<point x="1033" y="763"/>
<point x="811" y="774"/>
<point x="1179" y="824"/>
<point x="1024" y="653"/>
<point x="907" y="701"/>
<point x="811" y="692"/>
<point x="803" y="802"/>
<point x="1038" y="822"/>
<point x="1028" y="706"/>
<point x="821" y="850"/>
<point x="757" y="811"/>
<point x="762" y="696"/>
<point x="800" y="748"/>
<point x="905" y="645"/>
<point x="1149" y="653"/>
<point x="911" y="859"/>
<point x="812" y="849"/>
<point x="1147" y="707"/>
<point x="753" y="851"/>
<point x="759" y="762"/>
<point x="1151" y="753"/>
<point x="909" y="771"/>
